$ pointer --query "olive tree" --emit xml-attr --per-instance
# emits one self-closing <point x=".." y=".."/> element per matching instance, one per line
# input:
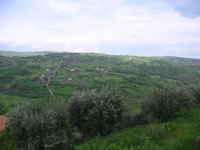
<point x="34" y="125"/>
<point x="163" y="104"/>
<point x="96" y="112"/>
<point x="3" y="109"/>
<point x="196" y="93"/>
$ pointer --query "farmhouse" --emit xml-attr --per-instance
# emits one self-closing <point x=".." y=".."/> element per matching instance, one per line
<point x="69" y="79"/>
<point x="3" y="122"/>
<point x="72" y="70"/>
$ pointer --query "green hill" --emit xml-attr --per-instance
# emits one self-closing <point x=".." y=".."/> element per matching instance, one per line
<point x="21" y="54"/>
<point x="27" y="77"/>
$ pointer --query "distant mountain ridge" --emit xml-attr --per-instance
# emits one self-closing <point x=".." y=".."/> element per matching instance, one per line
<point x="21" y="54"/>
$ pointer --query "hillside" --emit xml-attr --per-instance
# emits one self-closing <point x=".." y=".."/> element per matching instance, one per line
<point x="181" y="133"/>
<point x="57" y="75"/>
<point x="21" y="54"/>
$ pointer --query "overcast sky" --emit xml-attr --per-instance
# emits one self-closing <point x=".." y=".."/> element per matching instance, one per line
<point x="122" y="27"/>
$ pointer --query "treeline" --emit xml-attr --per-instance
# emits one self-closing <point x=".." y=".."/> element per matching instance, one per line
<point x="89" y="113"/>
<point x="165" y="104"/>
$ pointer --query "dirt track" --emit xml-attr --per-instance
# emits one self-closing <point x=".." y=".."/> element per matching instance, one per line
<point x="57" y="66"/>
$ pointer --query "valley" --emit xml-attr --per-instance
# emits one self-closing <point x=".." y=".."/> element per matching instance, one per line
<point x="58" y="75"/>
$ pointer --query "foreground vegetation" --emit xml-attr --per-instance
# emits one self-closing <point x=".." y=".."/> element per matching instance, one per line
<point x="181" y="133"/>
<point x="101" y="112"/>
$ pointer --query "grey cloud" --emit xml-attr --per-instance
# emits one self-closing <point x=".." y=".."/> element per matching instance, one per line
<point x="187" y="8"/>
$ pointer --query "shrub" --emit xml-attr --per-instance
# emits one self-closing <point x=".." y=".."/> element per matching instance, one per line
<point x="197" y="143"/>
<point x="164" y="104"/>
<point x="35" y="125"/>
<point x="156" y="131"/>
<point x="62" y="146"/>
<point x="113" y="147"/>
<point x="139" y="141"/>
<point x="6" y="140"/>
<point x="196" y="93"/>
<point x="3" y="109"/>
<point x="96" y="112"/>
<point x="186" y="142"/>
<point x="130" y="120"/>
<point x="138" y="119"/>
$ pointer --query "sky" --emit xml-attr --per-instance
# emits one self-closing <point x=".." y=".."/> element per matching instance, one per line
<point x="119" y="27"/>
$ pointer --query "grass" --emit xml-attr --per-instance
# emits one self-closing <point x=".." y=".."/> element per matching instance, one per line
<point x="13" y="100"/>
<point x="21" y="54"/>
<point x="182" y="133"/>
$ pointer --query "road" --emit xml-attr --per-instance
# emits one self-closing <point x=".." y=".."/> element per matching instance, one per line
<point x="57" y="66"/>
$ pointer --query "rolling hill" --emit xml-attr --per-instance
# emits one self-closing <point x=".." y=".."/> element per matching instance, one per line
<point x="43" y="76"/>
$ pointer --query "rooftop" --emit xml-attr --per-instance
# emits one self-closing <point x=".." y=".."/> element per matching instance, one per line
<point x="3" y="122"/>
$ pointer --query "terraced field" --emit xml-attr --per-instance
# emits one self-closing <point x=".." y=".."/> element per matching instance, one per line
<point x="42" y="77"/>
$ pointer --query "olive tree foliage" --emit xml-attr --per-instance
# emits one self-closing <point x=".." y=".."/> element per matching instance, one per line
<point x="163" y="104"/>
<point x="3" y="109"/>
<point x="34" y="125"/>
<point x="196" y="93"/>
<point x="96" y="112"/>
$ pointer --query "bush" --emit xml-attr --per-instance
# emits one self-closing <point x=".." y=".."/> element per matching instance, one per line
<point x="196" y="93"/>
<point x="139" y="141"/>
<point x="197" y="143"/>
<point x="156" y="131"/>
<point x="164" y="104"/>
<point x="35" y="125"/>
<point x="96" y="112"/>
<point x="6" y="140"/>
<point x="3" y="109"/>
<point x="62" y="146"/>
<point x="130" y="120"/>
<point x="113" y="147"/>
<point x="138" y="119"/>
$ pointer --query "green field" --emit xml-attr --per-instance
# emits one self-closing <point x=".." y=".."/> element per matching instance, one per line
<point x="135" y="76"/>
<point x="21" y="54"/>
